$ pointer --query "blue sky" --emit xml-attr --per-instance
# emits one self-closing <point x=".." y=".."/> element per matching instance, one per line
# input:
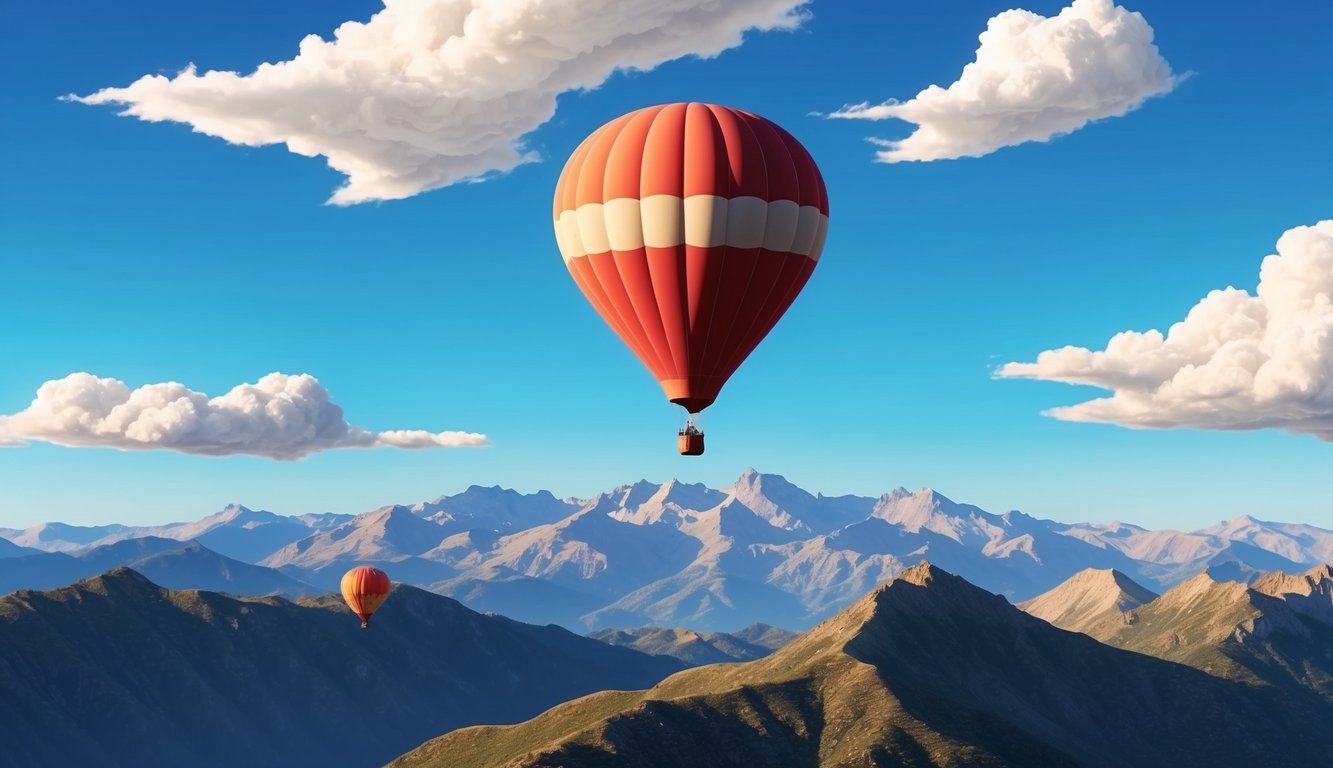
<point x="149" y="253"/>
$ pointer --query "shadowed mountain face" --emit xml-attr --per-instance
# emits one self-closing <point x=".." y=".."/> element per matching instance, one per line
<point x="925" y="671"/>
<point x="1310" y="593"/>
<point x="116" y="671"/>
<point x="674" y="554"/>
<point x="10" y="549"/>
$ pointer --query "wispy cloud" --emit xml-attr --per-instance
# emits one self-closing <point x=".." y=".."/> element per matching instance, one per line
<point x="1237" y="361"/>
<point x="281" y="416"/>
<point x="1034" y="78"/>
<point x="431" y="92"/>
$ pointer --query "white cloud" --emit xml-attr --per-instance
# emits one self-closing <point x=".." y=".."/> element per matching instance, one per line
<point x="1237" y="361"/>
<point x="1034" y="78"/>
<point x="281" y="417"/>
<point x="431" y="92"/>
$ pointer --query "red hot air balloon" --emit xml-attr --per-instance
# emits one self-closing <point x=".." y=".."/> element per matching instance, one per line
<point x="690" y="228"/>
<point x="365" y="589"/>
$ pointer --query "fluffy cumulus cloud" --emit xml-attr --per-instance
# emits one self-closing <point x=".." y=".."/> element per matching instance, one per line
<point x="1237" y="361"/>
<point x="281" y="417"/>
<point x="1034" y="78"/>
<point x="431" y="92"/>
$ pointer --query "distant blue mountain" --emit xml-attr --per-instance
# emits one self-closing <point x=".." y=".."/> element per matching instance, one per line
<point x="170" y="563"/>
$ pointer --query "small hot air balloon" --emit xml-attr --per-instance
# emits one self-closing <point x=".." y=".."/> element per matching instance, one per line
<point x="365" y="588"/>
<point x="690" y="228"/>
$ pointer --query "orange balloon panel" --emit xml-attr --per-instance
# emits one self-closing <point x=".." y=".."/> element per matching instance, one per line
<point x="365" y="588"/>
<point x="691" y="228"/>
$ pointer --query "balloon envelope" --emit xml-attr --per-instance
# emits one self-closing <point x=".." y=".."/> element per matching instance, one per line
<point x="365" y="588"/>
<point x="691" y="228"/>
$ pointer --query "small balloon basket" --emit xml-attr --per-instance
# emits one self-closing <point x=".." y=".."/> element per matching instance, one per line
<point x="690" y="440"/>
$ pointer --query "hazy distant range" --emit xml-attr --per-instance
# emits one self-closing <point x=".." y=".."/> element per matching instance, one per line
<point x="671" y="554"/>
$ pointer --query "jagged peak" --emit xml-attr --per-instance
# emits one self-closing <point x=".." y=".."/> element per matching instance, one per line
<point x="922" y="588"/>
<point x="484" y="490"/>
<point x="233" y="513"/>
<point x="1103" y="577"/>
<point x="1091" y="589"/>
<point x="119" y="579"/>
<point x="1202" y="585"/>
<point x="753" y="478"/>
<point x="1277" y="583"/>
<point x="495" y="491"/>
<point x="1321" y="572"/>
<point x="386" y="513"/>
<point x="924" y="493"/>
<point x="921" y="574"/>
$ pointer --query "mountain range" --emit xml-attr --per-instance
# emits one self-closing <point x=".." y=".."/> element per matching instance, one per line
<point x="930" y="670"/>
<point x="678" y="554"/>
<point x="168" y="562"/>
<point x="117" y="671"/>
<point x="696" y="648"/>
<point x="1277" y="632"/>
<point x="924" y="670"/>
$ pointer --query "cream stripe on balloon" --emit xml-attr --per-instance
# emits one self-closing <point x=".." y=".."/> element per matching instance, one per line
<point x="706" y="221"/>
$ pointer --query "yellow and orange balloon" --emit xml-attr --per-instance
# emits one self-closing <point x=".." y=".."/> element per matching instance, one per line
<point x="365" y="588"/>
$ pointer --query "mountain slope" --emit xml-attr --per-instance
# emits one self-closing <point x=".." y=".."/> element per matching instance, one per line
<point x="925" y="671"/>
<point x="118" y="671"/>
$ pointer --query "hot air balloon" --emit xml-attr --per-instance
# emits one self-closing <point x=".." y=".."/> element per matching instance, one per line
<point x="364" y="588"/>
<point x="690" y="228"/>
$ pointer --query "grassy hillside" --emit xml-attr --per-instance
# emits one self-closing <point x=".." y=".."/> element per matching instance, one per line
<point x="925" y="671"/>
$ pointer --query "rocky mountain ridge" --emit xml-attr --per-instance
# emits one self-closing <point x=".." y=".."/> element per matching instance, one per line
<point x="677" y="554"/>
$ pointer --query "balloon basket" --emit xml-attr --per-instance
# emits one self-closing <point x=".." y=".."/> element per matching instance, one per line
<point x="690" y="443"/>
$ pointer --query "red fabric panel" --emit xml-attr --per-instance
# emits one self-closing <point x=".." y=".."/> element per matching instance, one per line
<point x="748" y="176"/>
<point x="586" y="279"/>
<point x="666" y="267"/>
<point x="592" y="167"/>
<point x="626" y="161"/>
<point x="793" y="271"/>
<point x="704" y="165"/>
<point x="783" y="180"/>
<point x="638" y="282"/>
<point x="812" y="187"/>
<point x="606" y="272"/>
<point x="663" y="152"/>
<point x="703" y="271"/>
